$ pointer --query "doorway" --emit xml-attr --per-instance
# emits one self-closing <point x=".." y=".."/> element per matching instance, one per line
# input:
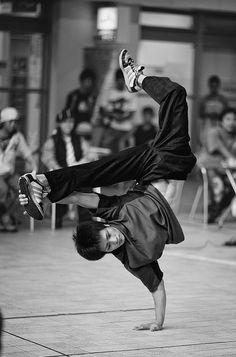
<point x="21" y="73"/>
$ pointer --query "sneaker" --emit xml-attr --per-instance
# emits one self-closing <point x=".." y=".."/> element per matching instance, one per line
<point x="35" y="193"/>
<point x="131" y="72"/>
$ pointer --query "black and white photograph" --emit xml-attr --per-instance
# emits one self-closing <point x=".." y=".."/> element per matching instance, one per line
<point x="117" y="178"/>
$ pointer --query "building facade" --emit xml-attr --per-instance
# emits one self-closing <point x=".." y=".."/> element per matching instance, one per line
<point x="44" y="45"/>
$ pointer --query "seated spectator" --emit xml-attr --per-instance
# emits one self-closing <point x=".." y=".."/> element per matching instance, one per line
<point x="117" y="109"/>
<point x="62" y="149"/>
<point x="220" y="147"/>
<point x="12" y="145"/>
<point x="146" y="131"/>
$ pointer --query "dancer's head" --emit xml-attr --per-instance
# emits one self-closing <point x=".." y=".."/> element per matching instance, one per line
<point x="94" y="239"/>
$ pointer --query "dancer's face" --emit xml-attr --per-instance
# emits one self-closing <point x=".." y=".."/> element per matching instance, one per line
<point x="111" y="239"/>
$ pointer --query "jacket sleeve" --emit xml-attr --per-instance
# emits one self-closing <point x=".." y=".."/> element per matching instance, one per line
<point x="150" y="275"/>
<point x="108" y="207"/>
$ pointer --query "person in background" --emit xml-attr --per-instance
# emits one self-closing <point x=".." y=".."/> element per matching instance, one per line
<point x="81" y="101"/>
<point x="116" y="115"/>
<point x="211" y="107"/>
<point x="220" y="147"/>
<point x="12" y="145"/>
<point x="146" y="131"/>
<point x="62" y="149"/>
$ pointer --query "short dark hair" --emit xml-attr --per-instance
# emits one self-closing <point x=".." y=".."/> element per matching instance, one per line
<point x="226" y="111"/>
<point x="87" y="240"/>
<point x="214" y="78"/>
<point x="87" y="73"/>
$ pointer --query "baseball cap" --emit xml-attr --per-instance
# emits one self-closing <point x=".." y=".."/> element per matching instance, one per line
<point x="8" y="114"/>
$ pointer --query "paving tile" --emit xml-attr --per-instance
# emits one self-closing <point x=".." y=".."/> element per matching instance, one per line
<point x="56" y="304"/>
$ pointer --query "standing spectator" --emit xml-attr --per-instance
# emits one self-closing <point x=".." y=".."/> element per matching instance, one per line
<point x="116" y="115"/>
<point x="220" y="147"/>
<point x="12" y="145"/>
<point x="146" y="131"/>
<point x="81" y="101"/>
<point x="211" y="107"/>
<point x="62" y="149"/>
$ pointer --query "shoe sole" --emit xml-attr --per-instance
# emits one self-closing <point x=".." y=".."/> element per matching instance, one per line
<point x="32" y="208"/>
<point x="121" y="60"/>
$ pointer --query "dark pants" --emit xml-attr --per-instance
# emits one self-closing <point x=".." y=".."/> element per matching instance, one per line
<point x="168" y="157"/>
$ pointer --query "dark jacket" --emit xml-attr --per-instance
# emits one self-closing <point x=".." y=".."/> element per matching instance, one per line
<point x="147" y="222"/>
<point x="60" y="147"/>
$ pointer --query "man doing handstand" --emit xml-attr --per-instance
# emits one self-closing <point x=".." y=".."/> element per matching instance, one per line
<point x="137" y="225"/>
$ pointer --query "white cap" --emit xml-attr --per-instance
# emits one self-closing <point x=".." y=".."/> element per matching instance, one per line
<point x="9" y="113"/>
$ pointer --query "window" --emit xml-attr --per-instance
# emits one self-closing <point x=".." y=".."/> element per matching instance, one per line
<point x="166" y="20"/>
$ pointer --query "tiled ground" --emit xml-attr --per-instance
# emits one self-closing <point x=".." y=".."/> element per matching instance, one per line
<point x="57" y="304"/>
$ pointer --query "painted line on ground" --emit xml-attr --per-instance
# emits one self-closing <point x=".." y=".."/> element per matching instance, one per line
<point x="201" y="258"/>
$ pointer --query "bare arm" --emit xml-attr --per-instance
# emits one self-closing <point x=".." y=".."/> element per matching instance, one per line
<point x="159" y="298"/>
<point x="86" y="200"/>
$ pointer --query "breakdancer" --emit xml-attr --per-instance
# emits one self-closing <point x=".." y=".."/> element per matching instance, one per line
<point x="137" y="225"/>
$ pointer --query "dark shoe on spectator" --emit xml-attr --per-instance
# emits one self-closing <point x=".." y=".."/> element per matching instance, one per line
<point x="7" y="225"/>
<point x="11" y="228"/>
<point x="212" y="219"/>
<point x="231" y="242"/>
<point x="2" y="227"/>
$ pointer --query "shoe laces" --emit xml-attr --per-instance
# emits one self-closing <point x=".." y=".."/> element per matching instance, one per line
<point x="132" y="65"/>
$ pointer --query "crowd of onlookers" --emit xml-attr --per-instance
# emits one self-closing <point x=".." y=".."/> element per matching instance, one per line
<point x="81" y="136"/>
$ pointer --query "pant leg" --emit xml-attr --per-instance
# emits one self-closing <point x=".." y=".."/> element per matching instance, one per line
<point x="124" y="166"/>
<point x="169" y="156"/>
<point x="173" y="113"/>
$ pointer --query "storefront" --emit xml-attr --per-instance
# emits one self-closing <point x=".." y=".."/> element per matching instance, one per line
<point x="45" y="44"/>
<point x="24" y="54"/>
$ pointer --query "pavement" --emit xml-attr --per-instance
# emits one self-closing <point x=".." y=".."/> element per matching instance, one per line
<point x="55" y="303"/>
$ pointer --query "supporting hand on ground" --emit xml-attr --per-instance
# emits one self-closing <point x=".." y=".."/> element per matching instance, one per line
<point x="152" y="326"/>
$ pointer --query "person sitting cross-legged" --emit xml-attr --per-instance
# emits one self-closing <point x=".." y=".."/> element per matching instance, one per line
<point x="137" y="225"/>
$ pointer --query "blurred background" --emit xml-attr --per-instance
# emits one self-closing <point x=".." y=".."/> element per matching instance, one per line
<point x="46" y="45"/>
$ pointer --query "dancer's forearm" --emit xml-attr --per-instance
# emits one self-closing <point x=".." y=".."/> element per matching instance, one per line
<point x="86" y="200"/>
<point x="159" y="297"/>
